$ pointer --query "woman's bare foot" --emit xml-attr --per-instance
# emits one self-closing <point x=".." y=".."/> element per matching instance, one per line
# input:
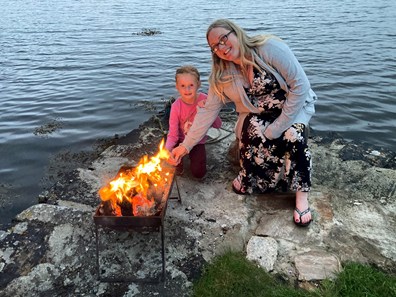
<point x="237" y="186"/>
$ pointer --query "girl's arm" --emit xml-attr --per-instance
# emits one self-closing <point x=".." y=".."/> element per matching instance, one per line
<point x="173" y="133"/>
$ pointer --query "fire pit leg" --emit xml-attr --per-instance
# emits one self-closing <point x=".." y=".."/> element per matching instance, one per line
<point x="163" y="253"/>
<point x="178" y="191"/>
<point x="97" y="250"/>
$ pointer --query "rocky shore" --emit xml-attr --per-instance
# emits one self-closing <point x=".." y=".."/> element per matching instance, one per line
<point x="50" y="249"/>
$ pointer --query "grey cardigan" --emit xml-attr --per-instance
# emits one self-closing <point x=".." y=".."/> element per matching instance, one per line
<point x="275" y="57"/>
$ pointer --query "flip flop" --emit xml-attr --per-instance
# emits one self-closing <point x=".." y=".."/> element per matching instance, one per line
<point x="301" y="213"/>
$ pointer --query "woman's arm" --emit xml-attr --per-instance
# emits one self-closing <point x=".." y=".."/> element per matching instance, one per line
<point x="204" y="119"/>
<point x="280" y="57"/>
<point x="201" y="104"/>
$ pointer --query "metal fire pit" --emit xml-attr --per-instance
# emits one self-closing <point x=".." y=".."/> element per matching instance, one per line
<point x="153" y="223"/>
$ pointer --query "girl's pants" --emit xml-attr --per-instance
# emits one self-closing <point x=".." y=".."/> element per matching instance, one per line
<point x="197" y="161"/>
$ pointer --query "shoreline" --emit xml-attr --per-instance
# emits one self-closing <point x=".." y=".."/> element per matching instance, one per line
<point x="49" y="248"/>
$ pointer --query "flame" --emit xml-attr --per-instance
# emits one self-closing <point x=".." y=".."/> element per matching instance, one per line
<point x="133" y="187"/>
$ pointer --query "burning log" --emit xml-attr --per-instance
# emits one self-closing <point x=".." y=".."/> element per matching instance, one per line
<point x="126" y="208"/>
<point x="106" y="209"/>
<point x="142" y="206"/>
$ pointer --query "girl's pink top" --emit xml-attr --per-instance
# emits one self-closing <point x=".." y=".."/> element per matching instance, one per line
<point x="181" y="118"/>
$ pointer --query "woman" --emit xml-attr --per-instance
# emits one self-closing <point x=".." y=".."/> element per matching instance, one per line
<point x="274" y="101"/>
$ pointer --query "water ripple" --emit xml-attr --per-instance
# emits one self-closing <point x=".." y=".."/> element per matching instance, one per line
<point x="83" y="63"/>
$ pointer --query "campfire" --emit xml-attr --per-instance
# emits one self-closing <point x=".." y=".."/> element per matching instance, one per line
<point x="136" y="199"/>
<point x="138" y="191"/>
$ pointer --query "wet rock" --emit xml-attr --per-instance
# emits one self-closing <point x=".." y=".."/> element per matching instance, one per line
<point x="148" y="32"/>
<point x="48" y="128"/>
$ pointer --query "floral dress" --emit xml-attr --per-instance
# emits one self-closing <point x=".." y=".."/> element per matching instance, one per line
<point x="268" y="164"/>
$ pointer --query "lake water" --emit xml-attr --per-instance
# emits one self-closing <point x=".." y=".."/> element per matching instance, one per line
<point x="81" y="67"/>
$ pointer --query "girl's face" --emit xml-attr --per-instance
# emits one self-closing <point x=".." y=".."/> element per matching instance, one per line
<point x="224" y="44"/>
<point x="187" y="85"/>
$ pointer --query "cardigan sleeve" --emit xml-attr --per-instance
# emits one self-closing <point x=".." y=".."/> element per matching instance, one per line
<point x="217" y="123"/>
<point x="279" y="56"/>
<point x="203" y="120"/>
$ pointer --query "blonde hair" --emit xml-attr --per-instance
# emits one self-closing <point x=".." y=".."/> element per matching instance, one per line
<point x="188" y="69"/>
<point x="217" y="78"/>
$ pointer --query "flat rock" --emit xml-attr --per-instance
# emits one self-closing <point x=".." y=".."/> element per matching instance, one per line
<point x="262" y="250"/>
<point x="317" y="265"/>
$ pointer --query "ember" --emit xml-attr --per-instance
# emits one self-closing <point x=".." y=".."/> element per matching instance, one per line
<point x="138" y="191"/>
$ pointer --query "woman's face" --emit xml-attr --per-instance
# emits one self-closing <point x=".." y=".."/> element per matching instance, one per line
<point x="224" y="44"/>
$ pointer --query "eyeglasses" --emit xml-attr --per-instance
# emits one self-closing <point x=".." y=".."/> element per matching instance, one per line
<point x="222" y="40"/>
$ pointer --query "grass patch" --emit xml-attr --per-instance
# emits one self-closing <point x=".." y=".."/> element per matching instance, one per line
<point x="357" y="280"/>
<point x="232" y="274"/>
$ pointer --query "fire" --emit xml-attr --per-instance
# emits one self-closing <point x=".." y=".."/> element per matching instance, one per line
<point x="136" y="190"/>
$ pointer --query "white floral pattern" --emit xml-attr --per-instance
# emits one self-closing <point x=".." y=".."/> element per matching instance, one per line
<point x="267" y="164"/>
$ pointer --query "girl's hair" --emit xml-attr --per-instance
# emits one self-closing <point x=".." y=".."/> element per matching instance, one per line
<point x="189" y="69"/>
<point x="247" y="44"/>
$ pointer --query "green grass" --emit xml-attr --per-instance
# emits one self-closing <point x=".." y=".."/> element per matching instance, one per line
<point x="357" y="280"/>
<point x="232" y="275"/>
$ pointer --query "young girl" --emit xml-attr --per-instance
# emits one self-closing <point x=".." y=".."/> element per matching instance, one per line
<point x="182" y="115"/>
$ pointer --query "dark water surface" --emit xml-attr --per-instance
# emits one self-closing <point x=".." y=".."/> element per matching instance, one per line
<point x="82" y="69"/>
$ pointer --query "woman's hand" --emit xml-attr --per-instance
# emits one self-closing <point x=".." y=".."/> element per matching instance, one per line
<point x="171" y="160"/>
<point x="178" y="153"/>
